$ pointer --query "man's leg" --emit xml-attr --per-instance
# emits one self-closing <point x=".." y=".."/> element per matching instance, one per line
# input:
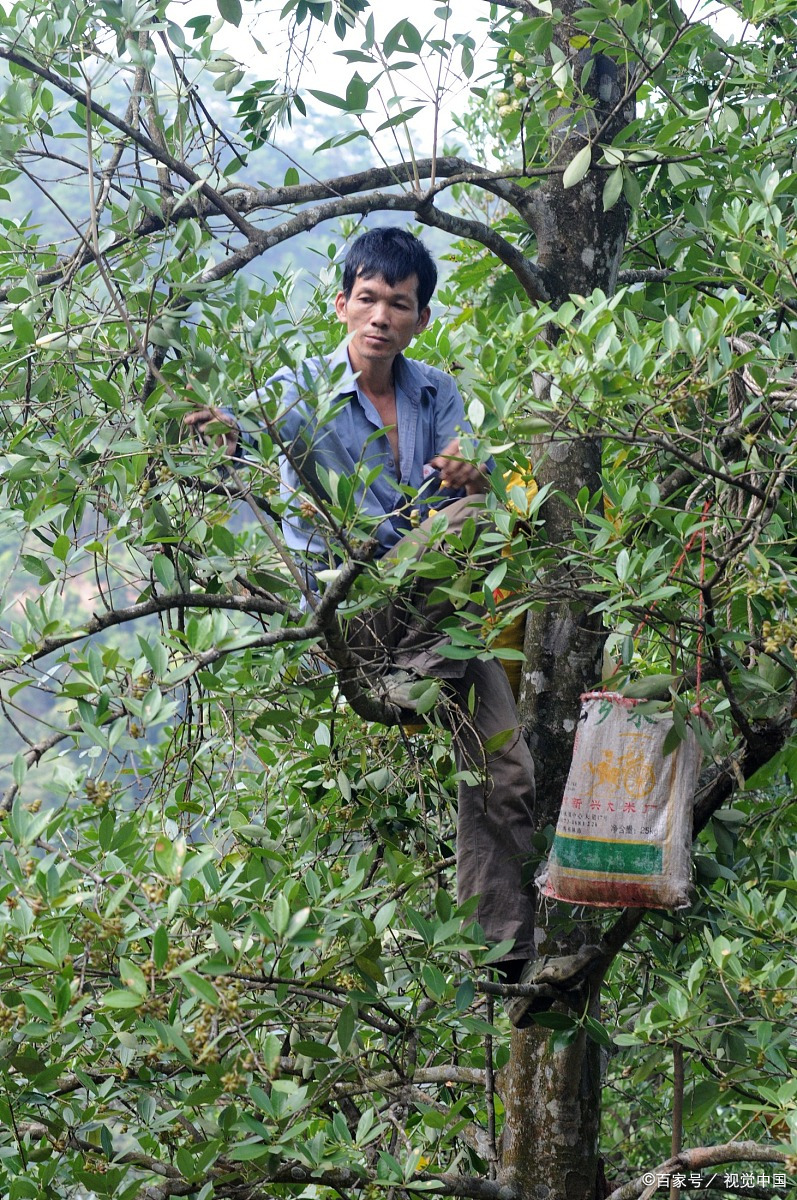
<point x="495" y="812"/>
<point x="494" y="824"/>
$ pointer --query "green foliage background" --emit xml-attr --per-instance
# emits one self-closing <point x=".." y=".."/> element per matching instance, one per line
<point x="230" y="959"/>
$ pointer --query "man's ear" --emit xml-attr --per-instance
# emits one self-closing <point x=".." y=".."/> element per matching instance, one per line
<point x="423" y="319"/>
<point x="340" y="306"/>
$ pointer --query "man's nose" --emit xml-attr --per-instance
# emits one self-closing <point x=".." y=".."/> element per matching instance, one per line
<point x="380" y="315"/>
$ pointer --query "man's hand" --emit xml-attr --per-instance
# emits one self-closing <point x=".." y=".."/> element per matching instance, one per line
<point x="205" y="422"/>
<point x="456" y="473"/>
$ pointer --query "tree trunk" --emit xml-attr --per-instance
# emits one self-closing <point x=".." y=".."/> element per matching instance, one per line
<point x="552" y="1097"/>
<point x="549" y="1148"/>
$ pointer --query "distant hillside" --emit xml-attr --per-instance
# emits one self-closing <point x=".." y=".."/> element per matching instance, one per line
<point x="64" y="197"/>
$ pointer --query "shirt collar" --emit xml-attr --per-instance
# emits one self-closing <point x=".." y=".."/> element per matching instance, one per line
<point x="407" y="374"/>
<point x="411" y="379"/>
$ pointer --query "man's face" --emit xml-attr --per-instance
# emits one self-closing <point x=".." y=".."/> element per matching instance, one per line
<point x="382" y="318"/>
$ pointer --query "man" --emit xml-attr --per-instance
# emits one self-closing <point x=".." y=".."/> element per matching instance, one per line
<point x="393" y="423"/>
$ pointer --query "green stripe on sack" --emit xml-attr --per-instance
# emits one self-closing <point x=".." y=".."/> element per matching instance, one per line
<point x="616" y="858"/>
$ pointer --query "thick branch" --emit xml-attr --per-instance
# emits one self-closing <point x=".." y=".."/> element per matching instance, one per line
<point x="438" y="1185"/>
<point x="390" y="1080"/>
<point x="452" y="169"/>
<point x="650" y="275"/>
<point x="522" y="6"/>
<point x="339" y="1178"/>
<point x="528" y="274"/>
<point x="530" y="277"/>
<point x="698" y="1158"/>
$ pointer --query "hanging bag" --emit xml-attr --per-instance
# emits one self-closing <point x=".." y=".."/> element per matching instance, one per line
<point x="624" y="834"/>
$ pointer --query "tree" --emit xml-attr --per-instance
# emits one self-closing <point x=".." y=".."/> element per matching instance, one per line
<point x="230" y="962"/>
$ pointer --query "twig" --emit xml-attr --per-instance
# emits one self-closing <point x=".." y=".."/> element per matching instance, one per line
<point x="39" y="749"/>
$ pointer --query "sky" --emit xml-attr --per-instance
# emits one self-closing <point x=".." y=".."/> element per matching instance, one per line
<point x="325" y="69"/>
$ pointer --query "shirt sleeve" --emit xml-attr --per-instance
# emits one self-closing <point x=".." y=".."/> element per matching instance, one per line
<point x="449" y="410"/>
<point x="450" y="419"/>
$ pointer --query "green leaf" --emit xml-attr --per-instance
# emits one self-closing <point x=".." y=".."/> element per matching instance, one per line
<point x="280" y="915"/>
<point x="345" y="1028"/>
<point x="672" y="740"/>
<point x="163" y="569"/>
<point x="631" y="188"/>
<point x="116" y="998"/>
<point x="465" y="995"/>
<point x="37" y="1004"/>
<point x="328" y="98"/>
<point x="160" y="947"/>
<point x="554" y="1020"/>
<point x="597" y="1032"/>
<point x="132" y="976"/>
<point x="223" y="941"/>
<point x="412" y="38"/>
<point x="498" y="740"/>
<point x="247" y="1151"/>
<point x="23" y="328"/>
<point x="612" y="188"/>
<point x="231" y="11"/>
<point x="578" y="166"/>
<point x="19" y="769"/>
<point x="200" y="987"/>
<point x="356" y="94"/>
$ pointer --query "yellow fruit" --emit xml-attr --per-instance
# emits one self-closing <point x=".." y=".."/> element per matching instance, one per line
<point x="514" y="479"/>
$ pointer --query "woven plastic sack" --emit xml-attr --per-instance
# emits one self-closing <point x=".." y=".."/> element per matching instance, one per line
<point x="624" y="834"/>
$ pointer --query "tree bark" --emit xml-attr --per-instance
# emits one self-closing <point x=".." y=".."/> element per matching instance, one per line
<point x="549" y="1147"/>
<point x="552" y="1098"/>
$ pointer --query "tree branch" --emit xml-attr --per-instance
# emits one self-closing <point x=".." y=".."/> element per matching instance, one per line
<point x="650" y="275"/>
<point x="696" y="1159"/>
<point x="450" y="168"/>
<point x="251" y="232"/>
<point x="467" y="1186"/>
<point x="528" y="273"/>
<point x="446" y="1185"/>
<point x="522" y="6"/>
<point x="120" y="616"/>
<point x="530" y="277"/>
<point x="36" y="752"/>
<point x="390" y="1080"/>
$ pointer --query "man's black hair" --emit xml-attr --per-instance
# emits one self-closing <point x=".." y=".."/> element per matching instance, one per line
<point x="394" y="254"/>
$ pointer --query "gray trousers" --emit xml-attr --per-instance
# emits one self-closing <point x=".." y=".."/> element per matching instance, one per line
<point x="495" y="809"/>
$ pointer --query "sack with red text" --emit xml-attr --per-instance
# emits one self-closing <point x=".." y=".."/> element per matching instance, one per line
<point x="624" y="835"/>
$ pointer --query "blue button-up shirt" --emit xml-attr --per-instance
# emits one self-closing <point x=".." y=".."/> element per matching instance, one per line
<point x="331" y="431"/>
